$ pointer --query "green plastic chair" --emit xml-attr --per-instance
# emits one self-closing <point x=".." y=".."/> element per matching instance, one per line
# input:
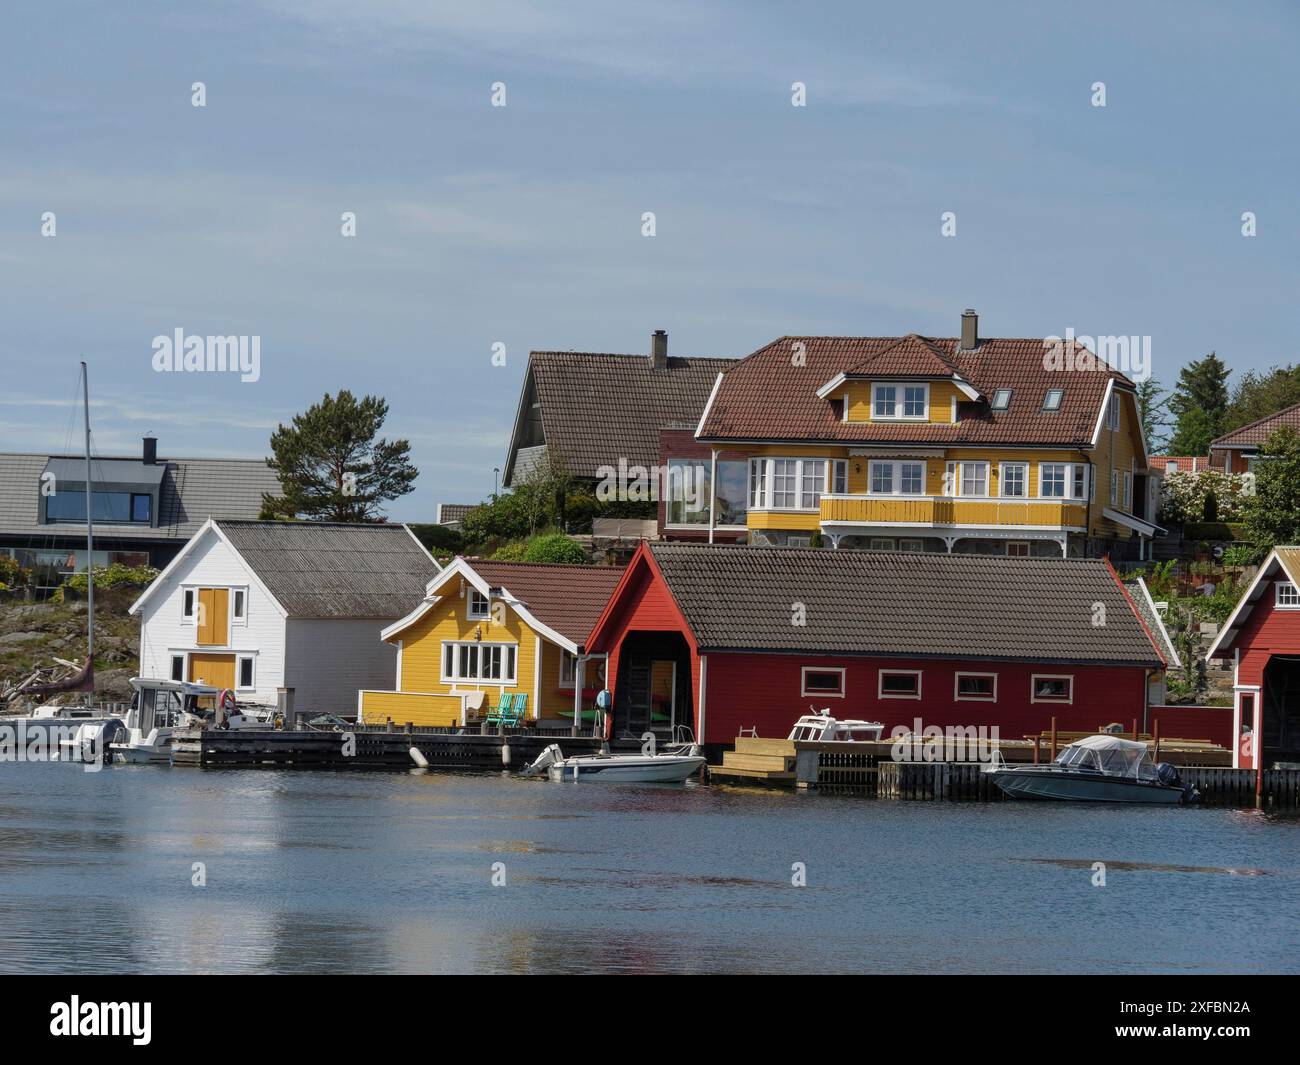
<point x="519" y="712"/>
<point x="499" y="714"/>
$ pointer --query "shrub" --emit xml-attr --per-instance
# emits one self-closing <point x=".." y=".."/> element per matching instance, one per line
<point x="555" y="547"/>
<point x="511" y="552"/>
<point x="1206" y="496"/>
<point x="113" y="576"/>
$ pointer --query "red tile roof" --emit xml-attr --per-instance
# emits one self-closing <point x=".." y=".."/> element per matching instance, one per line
<point x="568" y="599"/>
<point x="1259" y="431"/>
<point x="772" y="394"/>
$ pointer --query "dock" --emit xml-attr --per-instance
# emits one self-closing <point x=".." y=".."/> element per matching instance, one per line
<point x="367" y="747"/>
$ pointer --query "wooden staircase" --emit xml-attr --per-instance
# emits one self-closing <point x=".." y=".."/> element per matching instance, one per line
<point x="757" y="760"/>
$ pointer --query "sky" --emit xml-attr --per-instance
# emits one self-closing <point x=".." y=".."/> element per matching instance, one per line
<point x="478" y="225"/>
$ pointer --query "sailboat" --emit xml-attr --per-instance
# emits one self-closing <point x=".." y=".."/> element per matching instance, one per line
<point x="81" y="730"/>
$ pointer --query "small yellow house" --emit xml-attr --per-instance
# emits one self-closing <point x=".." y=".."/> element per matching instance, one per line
<point x="487" y="629"/>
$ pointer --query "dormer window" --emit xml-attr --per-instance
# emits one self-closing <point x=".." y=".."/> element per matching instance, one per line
<point x="1052" y="401"/>
<point x="900" y="402"/>
<point x="479" y="607"/>
<point x="1002" y="399"/>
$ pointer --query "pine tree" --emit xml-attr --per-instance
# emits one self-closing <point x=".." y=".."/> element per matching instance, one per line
<point x="1199" y="404"/>
<point x="1154" y="414"/>
<point x="332" y="467"/>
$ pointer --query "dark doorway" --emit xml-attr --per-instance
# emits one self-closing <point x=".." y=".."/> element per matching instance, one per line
<point x="653" y="692"/>
<point x="1281" y="725"/>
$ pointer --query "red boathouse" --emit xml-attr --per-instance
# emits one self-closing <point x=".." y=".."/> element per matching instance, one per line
<point x="1262" y="640"/>
<point x="726" y="638"/>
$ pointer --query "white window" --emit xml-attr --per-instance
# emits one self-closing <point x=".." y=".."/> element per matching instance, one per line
<point x="899" y="684"/>
<point x="476" y="661"/>
<point x="187" y="604"/>
<point x="1002" y="399"/>
<point x="1114" y="487"/>
<point x="1052" y="400"/>
<point x="911" y="545"/>
<point x="1046" y="688"/>
<point x="799" y="541"/>
<point x="881" y="543"/>
<point x="786" y="484"/>
<point x="1013" y="479"/>
<point x="974" y="478"/>
<point x="975" y="687"/>
<point x="1112" y="414"/>
<point x="900" y="402"/>
<point x="593" y="671"/>
<point x="1061" y="480"/>
<point x="1128" y="491"/>
<point x="480" y="607"/>
<point x="840" y="477"/>
<point x="1171" y="467"/>
<point x="823" y="681"/>
<point x="178" y="667"/>
<point x="1288" y="596"/>
<point x="897" y="478"/>
<point x="244" y="672"/>
<point x="239" y="604"/>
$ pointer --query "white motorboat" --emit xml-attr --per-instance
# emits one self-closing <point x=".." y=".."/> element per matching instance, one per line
<point x="826" y="729"/>
<point x="1101" y="768"/>
<point x="158" y="708"/>
<point x="675" y="764"/>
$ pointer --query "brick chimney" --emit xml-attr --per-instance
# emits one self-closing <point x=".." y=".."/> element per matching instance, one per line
<point x="970" y="330"/>
<point x="149" y="456"/>
<point x="659" y="350"/>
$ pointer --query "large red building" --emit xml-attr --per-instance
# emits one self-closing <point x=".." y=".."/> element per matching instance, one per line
<point x="1262" y="639"/>
<point x="726" y="638"/>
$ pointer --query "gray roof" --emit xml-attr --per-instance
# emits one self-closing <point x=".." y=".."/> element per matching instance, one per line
<point x="913" y="604"/>
<point x="326" y="570"/>
<point x="597" y="408"/>
<point x="191" y="491"/>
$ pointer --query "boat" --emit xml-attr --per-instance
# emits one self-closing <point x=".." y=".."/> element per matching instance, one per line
<point x="1100" y="768"/>
<point x="674" y="765"/>
<point x="825" y="729"/>
<point x="157" y="709"/>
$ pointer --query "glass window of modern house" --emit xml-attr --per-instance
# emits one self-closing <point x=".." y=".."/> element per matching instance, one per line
<point x="730" y="493"/>
<point x="118" y="508"/>
<point x="687" y="492"/>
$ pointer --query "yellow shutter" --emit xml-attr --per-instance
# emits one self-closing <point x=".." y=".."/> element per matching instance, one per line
<point x="214" y="617"/>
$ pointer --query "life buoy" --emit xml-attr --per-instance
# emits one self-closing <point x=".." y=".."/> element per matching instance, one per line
<point x="227" y="699"/>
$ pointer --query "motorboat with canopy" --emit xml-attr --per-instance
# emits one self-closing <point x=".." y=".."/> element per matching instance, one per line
<point x="1101" y="768"/>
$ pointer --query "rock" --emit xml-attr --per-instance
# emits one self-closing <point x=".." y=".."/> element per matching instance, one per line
<point x="21" y="637"/>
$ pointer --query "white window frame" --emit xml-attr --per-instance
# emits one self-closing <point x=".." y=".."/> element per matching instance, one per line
<point x="919" y="547"/>
<point x="1050" y="408"/>
<point x="817" y="693"/>
<point x="881" y="543"/>
<point x="240" y="617"/>
<point x="1128" y="491"/>
<point x="961" y="480"/>
<point x="762" y="483"/>
<point x="1004" y="404"/>
<point x="506" y="680"/>
<point x="1076" y="477"/>
<point x="880" y="683"/>
<point x="1018" y="543"/>
<point x="172" y="658"/>
<point x="1285" y="590"/>
<point x="957" y="696"/>
<point x="471" y="614"/>
<point x="1114" y="488"/>
<point x="1112" y="412"/>
<point x="190" y="599"/>
<point x="1023" y="467"/>
<point x="240" y="658"/>
<point x="895" y="467"/>
<point x="900" y="401"/>
<point x="1033" y="686"/>
<point x="839" y="476"/>
<point x="569" y="665"/>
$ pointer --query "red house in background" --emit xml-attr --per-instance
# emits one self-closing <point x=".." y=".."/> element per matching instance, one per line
<point x="1262" y="638"/>
<point x="729" y="637"/>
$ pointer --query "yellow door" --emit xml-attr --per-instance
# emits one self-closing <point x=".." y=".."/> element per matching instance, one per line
<point x="217" y="670"/>
<point x="214" y="617"/>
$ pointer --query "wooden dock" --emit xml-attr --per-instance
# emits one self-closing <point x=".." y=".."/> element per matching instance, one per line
<point x="366" y="748"/>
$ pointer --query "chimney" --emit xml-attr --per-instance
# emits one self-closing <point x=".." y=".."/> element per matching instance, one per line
<point x="970" y="329"/>
<point x="659" y="350"/>
<point x="150" y="454"/>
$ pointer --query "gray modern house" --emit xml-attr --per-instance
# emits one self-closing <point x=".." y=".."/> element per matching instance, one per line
<point x="145" y="508"/>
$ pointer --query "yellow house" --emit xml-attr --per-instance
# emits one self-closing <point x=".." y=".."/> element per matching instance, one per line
<point x="486" y="629"/>
<point x="969" y="444"/>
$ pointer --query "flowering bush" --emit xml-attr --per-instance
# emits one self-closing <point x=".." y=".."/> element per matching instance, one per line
<point x="114" y="576"/>
<point x="1205" y="496"/>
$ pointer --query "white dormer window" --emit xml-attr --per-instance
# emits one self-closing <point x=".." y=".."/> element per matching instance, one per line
<point x="1052" y="401"/>
<point x="479" y="606"/>
<point x="1288" y="596"/>
<point x="900" y="402"/>
<point x="1002" y="399"/>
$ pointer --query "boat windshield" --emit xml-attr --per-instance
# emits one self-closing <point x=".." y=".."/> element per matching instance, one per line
<point x="1128" y="760"/>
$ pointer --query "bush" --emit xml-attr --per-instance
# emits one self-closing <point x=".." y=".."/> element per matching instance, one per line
<point x="114" y="576"/>
<point x="438" y="540"/>
<point x="555" y="547"/>
<point x="10" y="572"/>
<point x="511" y="552"/>
<point x="1210" y="495"/>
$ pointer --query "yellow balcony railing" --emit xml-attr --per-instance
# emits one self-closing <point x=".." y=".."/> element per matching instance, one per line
<point x="946" y="510"/>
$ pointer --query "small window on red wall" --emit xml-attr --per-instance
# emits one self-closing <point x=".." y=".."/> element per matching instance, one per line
<point x="1051" y="689"/>
<point x="900" y="684"/>
<point x="823" y="681"/>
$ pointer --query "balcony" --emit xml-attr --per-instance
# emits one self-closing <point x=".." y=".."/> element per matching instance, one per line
<point x="943" y="512"/>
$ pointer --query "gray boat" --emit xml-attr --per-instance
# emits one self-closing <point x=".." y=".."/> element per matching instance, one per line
<point x="1097" y="769"/>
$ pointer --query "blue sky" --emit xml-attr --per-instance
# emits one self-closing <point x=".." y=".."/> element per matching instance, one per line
<point x="522" y="225"/>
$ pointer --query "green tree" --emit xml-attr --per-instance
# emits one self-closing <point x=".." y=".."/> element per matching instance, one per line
<point x="1154" y="414"/>
<point x="333" y="466"/>
<point x="1199" y="404"/>
<point x="1273" y="512"/>
<point x="1257" y="395"/>
<point x="555" y="547"/>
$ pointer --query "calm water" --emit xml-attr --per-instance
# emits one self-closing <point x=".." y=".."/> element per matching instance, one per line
<point x="372" y="872"/>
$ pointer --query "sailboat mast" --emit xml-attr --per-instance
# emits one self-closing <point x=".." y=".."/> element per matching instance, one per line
<point x="90" y="524"/>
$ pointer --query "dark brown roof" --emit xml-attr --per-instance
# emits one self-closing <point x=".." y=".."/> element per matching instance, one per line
<point x="914" y="604"/>
<point x="334" y="570"/>
<point x="568" y="599"/>
<point x="1257" y="432"/>
<point x="598" y="408"/>
<point x="771" y="396"/>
